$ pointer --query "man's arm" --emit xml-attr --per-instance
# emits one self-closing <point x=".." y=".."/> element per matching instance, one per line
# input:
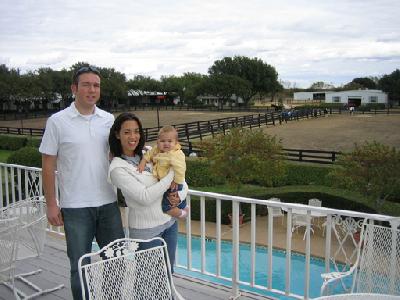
<point x="49" y="163"/>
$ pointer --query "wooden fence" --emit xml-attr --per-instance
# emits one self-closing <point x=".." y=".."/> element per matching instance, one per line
<point x="300" y="155"/>
<point x="188" y="132"/>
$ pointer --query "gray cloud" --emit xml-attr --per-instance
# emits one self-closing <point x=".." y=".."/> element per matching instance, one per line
<point x="305" y="40"/>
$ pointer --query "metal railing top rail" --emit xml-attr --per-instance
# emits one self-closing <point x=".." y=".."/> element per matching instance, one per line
<point x="20" y="167"/>
<point x="326" y="210"/>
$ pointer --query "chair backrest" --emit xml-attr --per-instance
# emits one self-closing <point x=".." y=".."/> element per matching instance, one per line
<point x="276" y="211"/>
<point x="315" y="202"/>
<point x="121" y="271"/>
<point x="379" y="267"/>
<point x="31" y="215"/>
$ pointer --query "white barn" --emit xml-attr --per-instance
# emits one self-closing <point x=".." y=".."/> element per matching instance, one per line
<point x="351" y="98"/>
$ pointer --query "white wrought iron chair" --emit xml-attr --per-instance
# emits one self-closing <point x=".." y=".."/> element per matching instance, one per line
<point x="277" y="211"/>
<point x="121" y="271"/>
<point x="377" y="267"/>
<point x="23" y="236"/>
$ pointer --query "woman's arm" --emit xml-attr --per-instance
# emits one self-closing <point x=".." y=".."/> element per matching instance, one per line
<point x="134" y="190"/>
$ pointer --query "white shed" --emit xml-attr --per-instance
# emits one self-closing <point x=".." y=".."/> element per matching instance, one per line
<point x="351" y="98"/>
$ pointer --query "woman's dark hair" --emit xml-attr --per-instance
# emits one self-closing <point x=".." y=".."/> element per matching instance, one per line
<point x="115" y="144"/>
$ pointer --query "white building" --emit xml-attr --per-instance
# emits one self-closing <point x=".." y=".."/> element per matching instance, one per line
<point x="351" y="98"/>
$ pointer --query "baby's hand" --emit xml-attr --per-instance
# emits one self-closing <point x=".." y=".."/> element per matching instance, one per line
<point x="141" y="167"/>
<point x="174" y="186"/>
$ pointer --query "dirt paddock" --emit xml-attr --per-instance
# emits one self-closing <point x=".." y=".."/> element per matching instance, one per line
<point x="333" y="132"/>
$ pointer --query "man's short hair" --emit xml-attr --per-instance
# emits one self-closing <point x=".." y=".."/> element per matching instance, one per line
<point x="83" y="70"/>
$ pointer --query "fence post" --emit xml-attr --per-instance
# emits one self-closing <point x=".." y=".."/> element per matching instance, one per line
<point x="300" y="155"/>
<point x="187" y="131"/>
<point x="223" y="128"/>
<point x="333" y="156"/>
<point x="199" y="130"/>
<point x="273" y="119"/>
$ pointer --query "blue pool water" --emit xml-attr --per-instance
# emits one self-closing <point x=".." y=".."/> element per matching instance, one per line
<point x="279" y="262"/>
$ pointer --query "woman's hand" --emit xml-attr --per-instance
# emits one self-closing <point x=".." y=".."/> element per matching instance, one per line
<point x="174" y="199"/>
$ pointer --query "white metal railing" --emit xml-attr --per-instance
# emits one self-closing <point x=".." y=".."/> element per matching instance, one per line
<point x="19" y="182"/>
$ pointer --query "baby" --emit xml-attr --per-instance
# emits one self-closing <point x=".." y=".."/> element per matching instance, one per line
<point x="168" y="154"/>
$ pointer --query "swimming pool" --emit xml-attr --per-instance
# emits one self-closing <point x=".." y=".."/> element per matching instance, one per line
<point x="317" y="266"/>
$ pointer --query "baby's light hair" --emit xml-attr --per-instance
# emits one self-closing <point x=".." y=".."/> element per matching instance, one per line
<point x="168" y="129"/>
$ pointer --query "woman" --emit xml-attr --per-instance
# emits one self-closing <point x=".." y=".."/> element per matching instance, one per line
<point x="143" y="193"/>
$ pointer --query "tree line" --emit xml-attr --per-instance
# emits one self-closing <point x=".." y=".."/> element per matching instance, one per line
<point x="239" y="76"/>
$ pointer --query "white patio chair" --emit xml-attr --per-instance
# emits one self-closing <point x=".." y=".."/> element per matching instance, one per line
<point x="317" y="203"/>
<point x="277" y="211"/>
<point x="29" y="221"/>
<point x="377" y="267"/>
<point x="301" y="220"/>
<point x="121" y="271"/>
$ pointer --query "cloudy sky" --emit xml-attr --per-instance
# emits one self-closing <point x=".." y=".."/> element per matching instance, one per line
<point x="306" y="41"/>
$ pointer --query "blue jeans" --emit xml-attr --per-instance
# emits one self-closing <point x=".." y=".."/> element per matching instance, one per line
<point x="170" y="236"/>
<point x="81" y="225"/>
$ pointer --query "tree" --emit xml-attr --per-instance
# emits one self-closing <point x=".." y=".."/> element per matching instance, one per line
<point x="365" y="82"/>
<point x="391" y="85"/>
<point x="8" y="86"/>
<point x="262" y="76"/>
<point x="113" y="87"/>
<point x="361" y="83"/>
<point x="224" y="87"/>
<point x="62" y="81"/>
<point x="244" y="156"/>
<point x="320" y="85"/>
<point x="372" y="169"/>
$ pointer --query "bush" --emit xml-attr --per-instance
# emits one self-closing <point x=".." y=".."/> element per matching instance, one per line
<point x="372" y="169"/>
<point x="12" y="142"/>
<point x="198" y="173"/>
<point x="245" y="156"/>
<point x="27" y="156"/>
<point x="33" y="142"/>
<point x="297" y="174"/>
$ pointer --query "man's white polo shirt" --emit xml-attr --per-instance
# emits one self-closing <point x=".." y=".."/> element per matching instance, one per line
<point x="81" y="146"/>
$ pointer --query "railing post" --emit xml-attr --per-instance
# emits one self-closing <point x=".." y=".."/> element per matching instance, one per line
<point x="270" y="245"/>
<point x="235" y="250"/>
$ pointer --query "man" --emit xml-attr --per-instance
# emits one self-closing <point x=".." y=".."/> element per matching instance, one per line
<point x="75" y="143"/>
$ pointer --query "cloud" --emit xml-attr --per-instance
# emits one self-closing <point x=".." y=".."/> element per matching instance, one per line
<point x="305" y="40"/>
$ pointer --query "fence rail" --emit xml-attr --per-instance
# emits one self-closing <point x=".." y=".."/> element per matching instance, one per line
<point x="197" y="130"/>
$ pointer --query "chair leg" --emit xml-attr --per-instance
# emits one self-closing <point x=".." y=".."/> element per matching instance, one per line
<point x="39" y="291"/>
